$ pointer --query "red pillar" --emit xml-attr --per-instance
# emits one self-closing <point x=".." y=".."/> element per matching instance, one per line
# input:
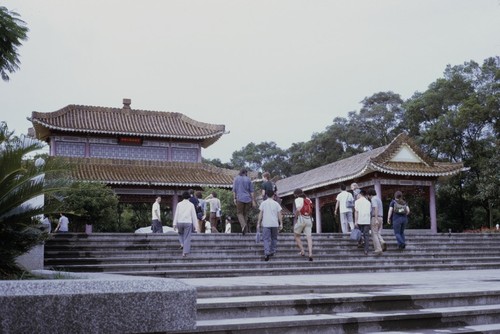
<point x="432" y="207"/>
<point x="318" y="215"/>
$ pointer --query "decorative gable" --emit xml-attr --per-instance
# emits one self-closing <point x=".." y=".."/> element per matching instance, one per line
<point x="406" y="154"/>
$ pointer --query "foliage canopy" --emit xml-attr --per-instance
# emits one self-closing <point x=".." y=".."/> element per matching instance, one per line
<point x="13" y="30"/>
<point x="24" y="181"/>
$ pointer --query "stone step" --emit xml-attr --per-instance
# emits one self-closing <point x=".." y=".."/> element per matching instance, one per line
<point x="466" y="329"/>
<point x="235" y="244"/>
<point x="214" y="260"/>
<point x="353" y="254"/>
<point x="357" y="322"/>
<point x="299" y="270"/>
<point x="104" y="238"/>
<point x="271" y="289"/>
<point x="333" y="303"/>
<point x="282" y="247"/>
<point x="276" y="261"/>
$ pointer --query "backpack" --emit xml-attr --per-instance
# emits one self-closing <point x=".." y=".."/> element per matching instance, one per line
<point x="306" y="209"/>
<point x="349" y="202"/>
<point x="199" y="211"/>
<point x="400" y="209"/>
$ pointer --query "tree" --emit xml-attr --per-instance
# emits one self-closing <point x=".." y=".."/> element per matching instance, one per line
<point x="379" y="120"/>
<point x="377" y="123"/>
<point x="456" y="120"/>
<point x="92" y="203"/>
<point x="12" y="32"/>
<point x="299" y="158"/>
<point x="323" y="148"/>
<point x="217" y="163"/>
<point x="345" y="132"/>
<point x="22" y="180"/>
<point x="266" y="156"/>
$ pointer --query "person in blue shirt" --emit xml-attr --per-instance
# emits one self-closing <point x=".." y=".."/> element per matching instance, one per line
<point x="244" y="200"/>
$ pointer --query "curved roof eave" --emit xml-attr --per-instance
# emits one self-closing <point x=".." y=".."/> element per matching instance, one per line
<point x="164" y="184"/>
<point x="378" y="168"/>
<point x="52" y="127"/>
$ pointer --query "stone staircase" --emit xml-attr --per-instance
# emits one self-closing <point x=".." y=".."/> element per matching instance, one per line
<point x="284" y="306"/>
<point x="215" y="255"/>
<point x="351" y="312"/>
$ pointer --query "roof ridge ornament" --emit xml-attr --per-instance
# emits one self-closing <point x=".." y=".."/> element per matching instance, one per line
<point x="127" y="103"/>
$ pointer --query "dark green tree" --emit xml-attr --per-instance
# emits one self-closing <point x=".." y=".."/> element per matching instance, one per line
<point x="379" y="120"/>
<point x="323" y="148"/>
<point x="218" y="163"/>
<point x="13" y="31"/>
<point x="94" y="204"/>
<point x="266" y="156"/>
<point x="456" y="120"/>
<point x="23" y="180"/>
<point x="299" y="158"/>
<point x="346" y="134"/>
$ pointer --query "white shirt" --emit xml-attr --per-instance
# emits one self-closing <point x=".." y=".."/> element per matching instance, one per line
<point x="185" y="213"/>
<point x="47" y="224"/>
<point x="299" y="203"/>
<point x="270" y="212"/>
<point x="64" y="222"/>
<point x="214" y="204"/>
<point x="363" y="208"/>
<point x="342" y="198"/>
<point x="155" y="212"/>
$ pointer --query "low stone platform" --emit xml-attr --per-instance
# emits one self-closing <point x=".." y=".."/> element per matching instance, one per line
<point x="460" y="301"/>
<point x="96" y="303"/>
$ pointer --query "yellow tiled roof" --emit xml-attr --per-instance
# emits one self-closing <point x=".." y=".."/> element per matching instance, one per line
<point x="151" y="173"/>
<point x="125" y="121"/>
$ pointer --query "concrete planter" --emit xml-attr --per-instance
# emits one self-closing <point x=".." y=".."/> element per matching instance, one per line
<point x="96" y="303"/>
<point x="32" y="260"/>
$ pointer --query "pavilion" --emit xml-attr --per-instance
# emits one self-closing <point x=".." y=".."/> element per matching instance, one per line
<point x="401" y="165"/>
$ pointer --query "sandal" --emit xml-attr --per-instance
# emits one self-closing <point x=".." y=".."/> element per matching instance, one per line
<point x="301" y="253"/>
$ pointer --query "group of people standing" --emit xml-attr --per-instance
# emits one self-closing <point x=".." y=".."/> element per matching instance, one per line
<point x="62" y="224"/>
<point x="364" y="210"/>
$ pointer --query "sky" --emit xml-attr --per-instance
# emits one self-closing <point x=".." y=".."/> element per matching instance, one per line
<point x="269" y="70"/>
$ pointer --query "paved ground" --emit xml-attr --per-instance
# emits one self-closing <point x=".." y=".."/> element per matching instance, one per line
<point x="418" y="282"/>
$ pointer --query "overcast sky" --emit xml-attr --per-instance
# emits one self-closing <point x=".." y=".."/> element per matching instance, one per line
<point x="269" y="70"/>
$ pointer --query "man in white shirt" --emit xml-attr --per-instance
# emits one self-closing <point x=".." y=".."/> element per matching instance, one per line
<point x="272" y="222"/>
<point x="46" y="224"/>
<point x="343" y="198"/>
<point x="185" y="221"/>
<point x="362" y="216"/>
<point x="215" y="206"/>
<point x="156" y="216"/>
<point x="63" y="225"/>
